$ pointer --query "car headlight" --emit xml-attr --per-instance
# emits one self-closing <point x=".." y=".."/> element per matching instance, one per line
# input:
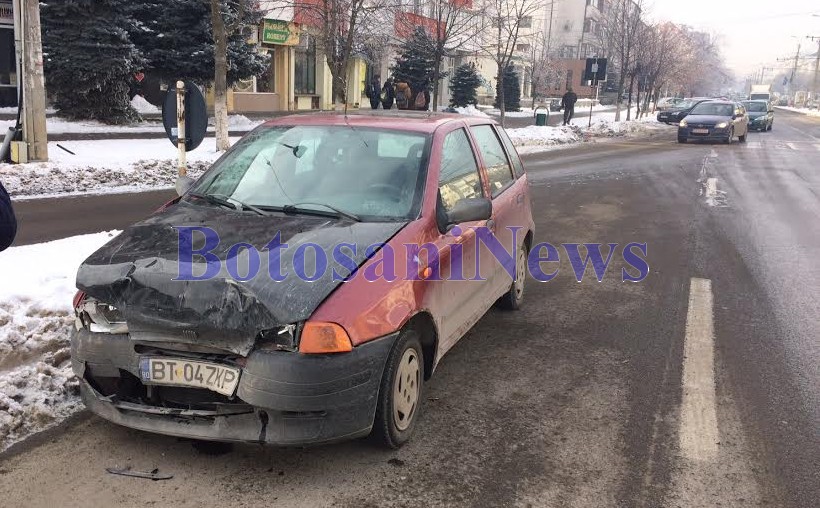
<point x="683" y="123"/>
<point x="722" y="125"/>
<point x="98" y="317"/>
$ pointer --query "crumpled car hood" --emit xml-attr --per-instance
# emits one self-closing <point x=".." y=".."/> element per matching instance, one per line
<point x="136" y="270"/>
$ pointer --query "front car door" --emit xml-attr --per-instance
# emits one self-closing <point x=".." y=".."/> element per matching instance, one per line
<point x="504" y="194"/>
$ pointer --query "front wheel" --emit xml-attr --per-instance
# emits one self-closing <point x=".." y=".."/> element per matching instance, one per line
<point x="400" y="392"/>
<point x="742" y="138"/>
<point x="681" y="140"/>
<point x="770" y="126"/>
<point x="729" y="139"/>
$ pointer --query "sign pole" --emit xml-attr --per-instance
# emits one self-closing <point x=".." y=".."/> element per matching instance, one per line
<point x="181" y="127"/>
<point x="590" y="103"/>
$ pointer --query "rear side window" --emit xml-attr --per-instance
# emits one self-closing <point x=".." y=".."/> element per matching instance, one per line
<point x="518" y="168"/>
<point x="499" y="172"/>
<point x="459" y="177"/>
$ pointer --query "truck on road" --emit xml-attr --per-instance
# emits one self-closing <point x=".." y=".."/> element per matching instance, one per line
<point x="761" y="92"/>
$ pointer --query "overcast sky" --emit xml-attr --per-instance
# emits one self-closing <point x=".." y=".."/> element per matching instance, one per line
<point x="754" y="32"/>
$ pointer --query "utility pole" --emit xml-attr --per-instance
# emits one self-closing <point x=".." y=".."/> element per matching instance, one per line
<point x="583" y="30"/>
<point x="794" y="69"/>
<point x="34" y="94"/>
<point x="816" y="66"/>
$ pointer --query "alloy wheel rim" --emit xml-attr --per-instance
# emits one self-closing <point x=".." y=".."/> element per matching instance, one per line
<point x="406" y="389"/>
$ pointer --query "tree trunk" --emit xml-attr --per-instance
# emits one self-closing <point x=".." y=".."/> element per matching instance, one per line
<point x="220" y="76"/>
<point x="621" y="80"/>
<point x="500" y="93"/>
<point x="436" y="78"/>
<point x="629" y="98"/>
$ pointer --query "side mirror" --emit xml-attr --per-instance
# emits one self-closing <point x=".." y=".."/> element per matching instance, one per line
<point x="183" y="183"/>
<point x="470" y="210"/>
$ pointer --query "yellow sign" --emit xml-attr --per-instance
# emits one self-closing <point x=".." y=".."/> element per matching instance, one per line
<point x="279" y="32"/>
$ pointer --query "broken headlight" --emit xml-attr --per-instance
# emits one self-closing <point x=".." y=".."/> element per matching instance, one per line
<point x="279" y="339"/>
<point x="98" y="317"/>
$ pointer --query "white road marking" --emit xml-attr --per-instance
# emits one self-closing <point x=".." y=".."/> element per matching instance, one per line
<point x="792" y="146"/>
<point x="698" y="429"/>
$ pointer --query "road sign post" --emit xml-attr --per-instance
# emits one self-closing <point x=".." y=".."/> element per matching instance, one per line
<point x="182" y="170"/>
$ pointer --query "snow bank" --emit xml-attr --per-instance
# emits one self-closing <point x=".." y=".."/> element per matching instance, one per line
<point x="37" y="387"/>
<point x="805" y="111"/>
<point x="57" y="125"/>
<point x="104" y="166"/>
<point x="238" y="122"/>
<point x="143" y="106"/>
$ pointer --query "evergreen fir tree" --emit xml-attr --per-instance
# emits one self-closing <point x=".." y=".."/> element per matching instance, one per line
<point x="415" y="62"/>
<point x="463" y="86"/>
<point x="89" y="59"/>
<point x="177" y="42"/>
<point x="512" y="90"/>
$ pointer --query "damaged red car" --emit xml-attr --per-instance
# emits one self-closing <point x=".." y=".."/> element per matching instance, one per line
<point x="202" y="321"/>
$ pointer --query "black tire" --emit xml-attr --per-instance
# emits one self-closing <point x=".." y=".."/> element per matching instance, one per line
<point x="387" y="430"/>
<point x="770" y="126"/>
<point x="514" y="297"/>
<point x="742" y="138"/>
<point x="729" y="139"/>
<point x="681" y="140"/>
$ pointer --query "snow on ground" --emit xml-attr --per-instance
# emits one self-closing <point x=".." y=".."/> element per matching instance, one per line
<point x="37" y="387"/>
<point x="57" y="125"/>
<point x="537" y="138"/>
<point x="805" y="111"/>
<point x="12" y="110"/>
<point x="104" y="166"/>
<point x="143" y="106"/>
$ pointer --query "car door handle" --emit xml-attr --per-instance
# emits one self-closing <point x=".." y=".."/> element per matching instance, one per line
<point x="519" y="199"/>
<point x="490" y="224"/>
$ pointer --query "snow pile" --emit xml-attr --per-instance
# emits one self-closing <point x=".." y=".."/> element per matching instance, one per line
<point x="37" y="387"/>
<point x="602" y="127"/>
<point x="471" y="111"/>
<point x="544" y="136"/>
<point x="143" y="106"/>
<point x="238" y="123"/>
<point x="57" y="125"/>
<point x="524" y="113"/>
<point x="104" y="166"/>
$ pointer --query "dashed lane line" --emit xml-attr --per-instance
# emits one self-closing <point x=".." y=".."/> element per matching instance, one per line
<point x="698" y="429"/>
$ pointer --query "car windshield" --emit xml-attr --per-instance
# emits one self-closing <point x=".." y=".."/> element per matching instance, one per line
<point x="712" y="108"/>
<point x="755" y="106"/>
<point x="373" y="174"/>
<point x="684" y="104"/>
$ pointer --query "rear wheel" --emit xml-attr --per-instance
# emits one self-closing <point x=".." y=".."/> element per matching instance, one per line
<point x="400" y="392"/>
<point x="770" y="126"/>
<point x="513" y="299"/>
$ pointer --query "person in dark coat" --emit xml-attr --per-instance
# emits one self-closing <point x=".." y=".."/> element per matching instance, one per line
<point x="568" y="104"/>
<point x="8" y="223"/>
<point x="374" y="91"/>
<point x="388" y="94"/>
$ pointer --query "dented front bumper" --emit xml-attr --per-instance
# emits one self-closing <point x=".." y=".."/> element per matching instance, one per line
<point x="283" y="398"/>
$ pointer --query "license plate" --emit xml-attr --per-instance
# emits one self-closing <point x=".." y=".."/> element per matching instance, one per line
<point x="178" y="372"/>
<point x="700" y="131"/>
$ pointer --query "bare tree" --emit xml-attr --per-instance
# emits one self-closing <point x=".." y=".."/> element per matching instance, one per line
<point x="455" y="27"/>
<point x="620" y="30"/>
<point x="506" y="24"/>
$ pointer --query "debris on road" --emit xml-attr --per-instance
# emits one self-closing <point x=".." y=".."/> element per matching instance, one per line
<point x="154" y="474"/>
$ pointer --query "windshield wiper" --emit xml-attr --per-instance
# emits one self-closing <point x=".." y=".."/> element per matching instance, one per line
<point x="295" y="208"/>
<point x="222" y="199"/>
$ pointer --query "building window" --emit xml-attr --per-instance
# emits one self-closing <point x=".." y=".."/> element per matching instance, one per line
<point x="525" y="22"/>
<point x="304" y="81"/>
<point x="524" y="48"/>
<point x="601" y="6"/>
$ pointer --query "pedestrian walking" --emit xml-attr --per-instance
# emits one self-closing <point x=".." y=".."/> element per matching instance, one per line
<point x="388" y="94"/>
<point x="8" y="223"/>
<point x="374" y="91"/>
<point x="404" y="96"/>
<point x="568" y="104"/>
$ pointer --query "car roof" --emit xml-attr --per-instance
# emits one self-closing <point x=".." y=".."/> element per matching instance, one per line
<point x="763" y="101"/>
<point x="412" y="121"/>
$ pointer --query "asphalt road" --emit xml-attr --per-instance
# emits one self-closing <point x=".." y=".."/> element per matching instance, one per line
<point x="697" y="387"/>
